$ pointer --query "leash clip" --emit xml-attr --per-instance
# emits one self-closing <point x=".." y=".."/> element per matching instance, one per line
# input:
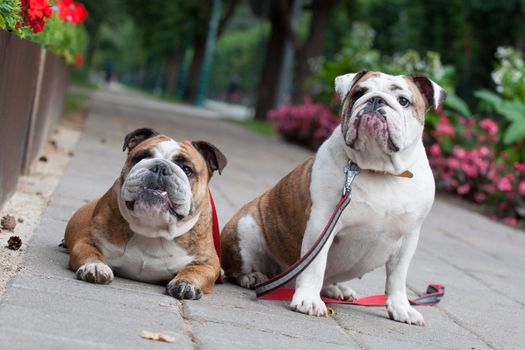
<point x="351" y="171"/>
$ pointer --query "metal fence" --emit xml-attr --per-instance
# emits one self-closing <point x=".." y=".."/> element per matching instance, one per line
<point x="33" y="85"/>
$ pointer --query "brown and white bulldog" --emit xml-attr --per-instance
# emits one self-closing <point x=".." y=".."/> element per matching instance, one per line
<point x="381" y="131"/>
<point x="155" y="223"/>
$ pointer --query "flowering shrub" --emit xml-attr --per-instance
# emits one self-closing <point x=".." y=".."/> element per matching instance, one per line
<point x="33" y="13"/>
<point x="464" y="157"/>
<point x="56" y="25"/>
<point x="9" y="14"/>
<point x="309" y="124"/>
<point x="71" y="11"/>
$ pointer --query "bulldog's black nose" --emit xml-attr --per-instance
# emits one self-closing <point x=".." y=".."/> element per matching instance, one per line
<point x="162" y="169"/>
<point x="376" y="102"/>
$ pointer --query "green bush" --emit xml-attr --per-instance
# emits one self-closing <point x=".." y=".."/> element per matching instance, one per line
<point x="9" y="14"/>
<point x="358" y="53"/>
<point x="509" y="99"/>
<point x="60" y="36"/>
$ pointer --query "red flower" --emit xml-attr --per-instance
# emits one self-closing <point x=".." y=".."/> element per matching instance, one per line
<point x="33" y="13"/>
<point x="79" y="59"/>
<point x="71" y="11"/>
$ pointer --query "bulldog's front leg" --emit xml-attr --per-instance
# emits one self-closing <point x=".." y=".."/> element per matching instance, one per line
<point x="88" y="262"/>
<point x="397" y="305"/>
<point x="307" y="296"/>
<point x="192" y="281"/>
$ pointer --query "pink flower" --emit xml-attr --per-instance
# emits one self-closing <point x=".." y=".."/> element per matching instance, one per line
<point x="453" y="163"/>
<point x="520" y="167"/>
<point x="444" y="129"/>
<point x="510" y="220"/>
<point x="490" y="188"/>
<point x="504" y="185"/>
<point x="521" y="188"/>
<point x="435" y="150"/>
<point x="463" y="189"/>
<point x="484" y="151"/>
<point x="479" y="197"/>
<point x="459" y="152"/>
<point x="489" y="126"/>
<point x="470" y="170"/>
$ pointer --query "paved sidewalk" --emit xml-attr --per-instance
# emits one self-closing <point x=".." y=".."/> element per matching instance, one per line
<point x="482" y="264"/>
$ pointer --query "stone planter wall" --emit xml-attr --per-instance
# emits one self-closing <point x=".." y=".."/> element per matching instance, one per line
<point x="33" y="85"/>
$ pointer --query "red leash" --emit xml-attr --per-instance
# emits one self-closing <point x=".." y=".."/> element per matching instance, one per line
<point x="432" y="296"/>
<point x="216" y="232"/>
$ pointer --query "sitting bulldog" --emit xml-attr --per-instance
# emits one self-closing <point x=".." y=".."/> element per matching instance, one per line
<point x="381" y="131"/>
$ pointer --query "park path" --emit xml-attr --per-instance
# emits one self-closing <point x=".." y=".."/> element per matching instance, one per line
<point x="482" y="263"/>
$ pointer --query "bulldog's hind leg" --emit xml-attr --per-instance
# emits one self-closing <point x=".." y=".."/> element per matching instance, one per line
<point x="88" y="262"/>
<point x="246" y="258"/>
<point x="339" y="291"/>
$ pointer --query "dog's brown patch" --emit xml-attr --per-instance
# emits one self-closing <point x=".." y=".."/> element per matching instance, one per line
<point x="281" y="223"/>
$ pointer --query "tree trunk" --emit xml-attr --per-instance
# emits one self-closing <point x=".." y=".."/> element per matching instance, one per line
<point x="312" y="47"/>
<point x="174" y="69"/>
<point x="199" y="47"/>
<point x="270" y="71"/>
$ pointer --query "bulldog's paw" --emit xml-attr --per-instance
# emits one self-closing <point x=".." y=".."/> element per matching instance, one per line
<point x="181" y="289"/>
<point x="339" y="292"/>
<point x="249" y="280"/>
<point x="95" y="272"/>
<point x="400" y="310"/>
<point x="309" y="304"/>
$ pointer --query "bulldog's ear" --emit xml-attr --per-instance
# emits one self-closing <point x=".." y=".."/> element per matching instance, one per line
<point x="214" y="158"/>
<point x="135" y="137"/>
<point x="344" y="83"/>
<point x="432" y="92"/>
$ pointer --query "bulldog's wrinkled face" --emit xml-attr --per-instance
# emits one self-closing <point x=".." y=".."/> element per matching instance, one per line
<point x="164" y="183"/>
<point x="383" y="116"/>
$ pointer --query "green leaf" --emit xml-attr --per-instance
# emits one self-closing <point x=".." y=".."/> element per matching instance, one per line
<point x="2" y="22"/>
<point x="457" y="104"/>
<point x="488" y="96"/>
<point x="515" y="132"/>
<point x="512" y="110"/>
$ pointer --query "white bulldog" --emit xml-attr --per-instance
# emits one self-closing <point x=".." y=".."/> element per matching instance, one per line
<point x="381" y="131"/>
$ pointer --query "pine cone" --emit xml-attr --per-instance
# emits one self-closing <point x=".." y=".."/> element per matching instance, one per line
<point x="14" y="243"/>
<point x="8" y="223"/>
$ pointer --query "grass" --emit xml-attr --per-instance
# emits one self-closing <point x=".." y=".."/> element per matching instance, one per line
<point x="74" y="102"/>
<point x="81" y="79"/>
<point x="260" y="126"/>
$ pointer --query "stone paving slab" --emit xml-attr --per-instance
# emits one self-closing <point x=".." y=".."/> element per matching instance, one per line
<point x="480" y="262"/>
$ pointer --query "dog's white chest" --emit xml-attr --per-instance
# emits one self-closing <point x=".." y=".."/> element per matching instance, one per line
<point x="147" y="259"/>
<point x="371" y="229"/>
<point x="385" y="212"/>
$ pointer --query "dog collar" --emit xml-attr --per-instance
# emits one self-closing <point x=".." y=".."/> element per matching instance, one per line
<point x="406" y="173"/>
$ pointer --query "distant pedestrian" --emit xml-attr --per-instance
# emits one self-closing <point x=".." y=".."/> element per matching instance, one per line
<point x="232" y="91"/>
<point x="109" y="67"/>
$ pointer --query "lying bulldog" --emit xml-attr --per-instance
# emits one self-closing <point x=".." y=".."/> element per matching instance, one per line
<point x="155" y="223"/>
<point x="381" y="131"/>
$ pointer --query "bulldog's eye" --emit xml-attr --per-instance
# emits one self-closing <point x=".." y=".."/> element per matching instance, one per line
<point x="140" y="156"/>
<point x="187" y="170"/>
<point x="357" y="95"/>
<point x="403" y="101"/>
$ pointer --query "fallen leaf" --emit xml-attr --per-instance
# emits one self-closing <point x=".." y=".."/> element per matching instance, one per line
<point x="157" y="336"/>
